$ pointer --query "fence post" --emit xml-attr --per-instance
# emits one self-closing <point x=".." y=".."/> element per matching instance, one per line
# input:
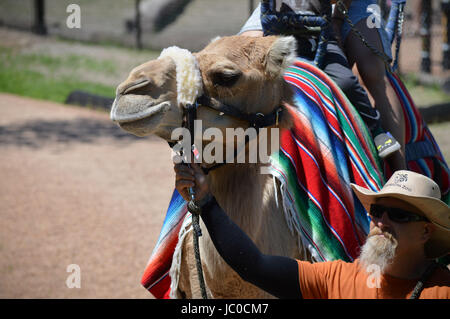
<point x="137" y="21"/>
<point x="39" y="17"/>
<point x="425" y="32"/>
<point x="445" y="5"/>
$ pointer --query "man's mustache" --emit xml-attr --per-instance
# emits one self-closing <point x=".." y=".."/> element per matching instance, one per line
<point x="377" y="231"/>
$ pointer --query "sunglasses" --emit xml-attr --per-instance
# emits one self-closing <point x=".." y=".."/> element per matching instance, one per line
<point x="397" y="215"/>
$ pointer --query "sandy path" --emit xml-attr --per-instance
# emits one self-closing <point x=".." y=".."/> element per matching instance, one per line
<point x="74" y="189"/>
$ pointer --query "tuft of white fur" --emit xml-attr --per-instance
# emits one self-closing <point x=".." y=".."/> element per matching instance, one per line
<point x="175" y="270"/>
<point x="282" y="54"/>
<point x="291" y="216"/>
<point x="189" y="80"/>
<point x="286" y="47"/>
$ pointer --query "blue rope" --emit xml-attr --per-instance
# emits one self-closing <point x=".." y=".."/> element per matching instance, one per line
<point x="394" y="27"/>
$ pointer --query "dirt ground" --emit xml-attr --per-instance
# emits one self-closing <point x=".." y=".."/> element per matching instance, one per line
<point x="74" y="189"/>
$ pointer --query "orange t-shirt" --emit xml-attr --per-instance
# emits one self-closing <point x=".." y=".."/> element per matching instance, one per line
<point x="343" y="280"/>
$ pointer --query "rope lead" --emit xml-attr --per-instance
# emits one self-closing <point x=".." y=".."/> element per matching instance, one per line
<point x="195" y="211"/>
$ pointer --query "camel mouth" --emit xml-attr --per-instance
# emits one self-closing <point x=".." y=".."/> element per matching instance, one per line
<point x="121" y="113"/>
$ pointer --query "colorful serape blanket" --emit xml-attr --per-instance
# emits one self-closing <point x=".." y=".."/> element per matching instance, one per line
<point x="422" y="152"/>
<point x="328" y="147"/>
<point x="156" y="277"/>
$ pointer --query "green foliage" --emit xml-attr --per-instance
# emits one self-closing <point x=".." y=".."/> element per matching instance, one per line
<point x="41" y="76"/>
<point x="424" y="94"/>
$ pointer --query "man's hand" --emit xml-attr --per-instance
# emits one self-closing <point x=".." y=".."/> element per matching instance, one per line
<point x="190" y="177"/>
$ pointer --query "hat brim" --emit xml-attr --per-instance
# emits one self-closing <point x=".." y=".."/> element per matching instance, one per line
<point x="434" y="209"/>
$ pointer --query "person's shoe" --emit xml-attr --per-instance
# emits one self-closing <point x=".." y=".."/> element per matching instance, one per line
<point x="386" y="144"/>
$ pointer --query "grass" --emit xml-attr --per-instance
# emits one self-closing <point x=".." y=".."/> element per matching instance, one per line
<point x="424" y="94"/>
<point x="75" y="61"/>
<point x="37" y="85"/>
<point x="39" y="75"/>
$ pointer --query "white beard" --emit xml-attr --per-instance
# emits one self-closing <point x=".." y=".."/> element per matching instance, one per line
<point x="378" y="250"/>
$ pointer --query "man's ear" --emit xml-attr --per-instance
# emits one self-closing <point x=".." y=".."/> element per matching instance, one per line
<point x="282" y="54"/>
<point x="428" y="230"/>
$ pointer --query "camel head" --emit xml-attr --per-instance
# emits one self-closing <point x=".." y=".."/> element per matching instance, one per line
<point x="244" y="72"/>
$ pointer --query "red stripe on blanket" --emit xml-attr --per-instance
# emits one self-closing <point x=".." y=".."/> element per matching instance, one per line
<point x="311" y="90"/>
<point x="155" y="278"/>
<point x="310" y="176"/>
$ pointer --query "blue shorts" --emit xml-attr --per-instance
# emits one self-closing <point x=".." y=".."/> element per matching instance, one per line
<point x="359" y="9"/>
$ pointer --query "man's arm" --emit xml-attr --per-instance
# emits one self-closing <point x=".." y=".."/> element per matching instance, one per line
<point x="275" y="274"/>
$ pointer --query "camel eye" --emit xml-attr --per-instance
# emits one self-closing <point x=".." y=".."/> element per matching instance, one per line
<point x="226" y="79"/>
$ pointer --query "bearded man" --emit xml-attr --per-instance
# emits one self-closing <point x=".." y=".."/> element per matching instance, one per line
<point x="409" y="230"/>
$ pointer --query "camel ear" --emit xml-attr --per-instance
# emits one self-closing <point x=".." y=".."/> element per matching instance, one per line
<point x="282" y="54"/>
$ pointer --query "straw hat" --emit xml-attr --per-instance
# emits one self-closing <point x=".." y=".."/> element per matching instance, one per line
<point x="422" y="193"/>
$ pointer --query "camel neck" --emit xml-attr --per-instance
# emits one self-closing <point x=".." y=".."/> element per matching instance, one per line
<point x="239" y="188"/>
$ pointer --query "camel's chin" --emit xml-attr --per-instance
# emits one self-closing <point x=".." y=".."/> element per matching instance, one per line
<point x="139" y="116"/>
<point x="149" y="126"/>
<point x="145" y="126"/>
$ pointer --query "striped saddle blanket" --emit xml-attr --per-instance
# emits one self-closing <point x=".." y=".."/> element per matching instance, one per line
<point x="328" y="147"/>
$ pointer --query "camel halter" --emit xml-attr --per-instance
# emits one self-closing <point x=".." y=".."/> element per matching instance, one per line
<point x="189" y="86"/>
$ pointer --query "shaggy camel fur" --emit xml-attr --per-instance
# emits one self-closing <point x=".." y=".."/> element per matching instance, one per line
<point x="246" y="73"/>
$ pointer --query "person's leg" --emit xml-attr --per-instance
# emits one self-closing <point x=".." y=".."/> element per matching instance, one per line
<point x="372" y="71"/>
<point x="338" y="69"/>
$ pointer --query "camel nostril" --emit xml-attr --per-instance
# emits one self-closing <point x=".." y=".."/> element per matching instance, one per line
<point x="135" y="86"/>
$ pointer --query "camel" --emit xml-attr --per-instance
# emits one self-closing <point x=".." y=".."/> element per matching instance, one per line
<point x="250" y="77"/>
<point x="248" y="197"/>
